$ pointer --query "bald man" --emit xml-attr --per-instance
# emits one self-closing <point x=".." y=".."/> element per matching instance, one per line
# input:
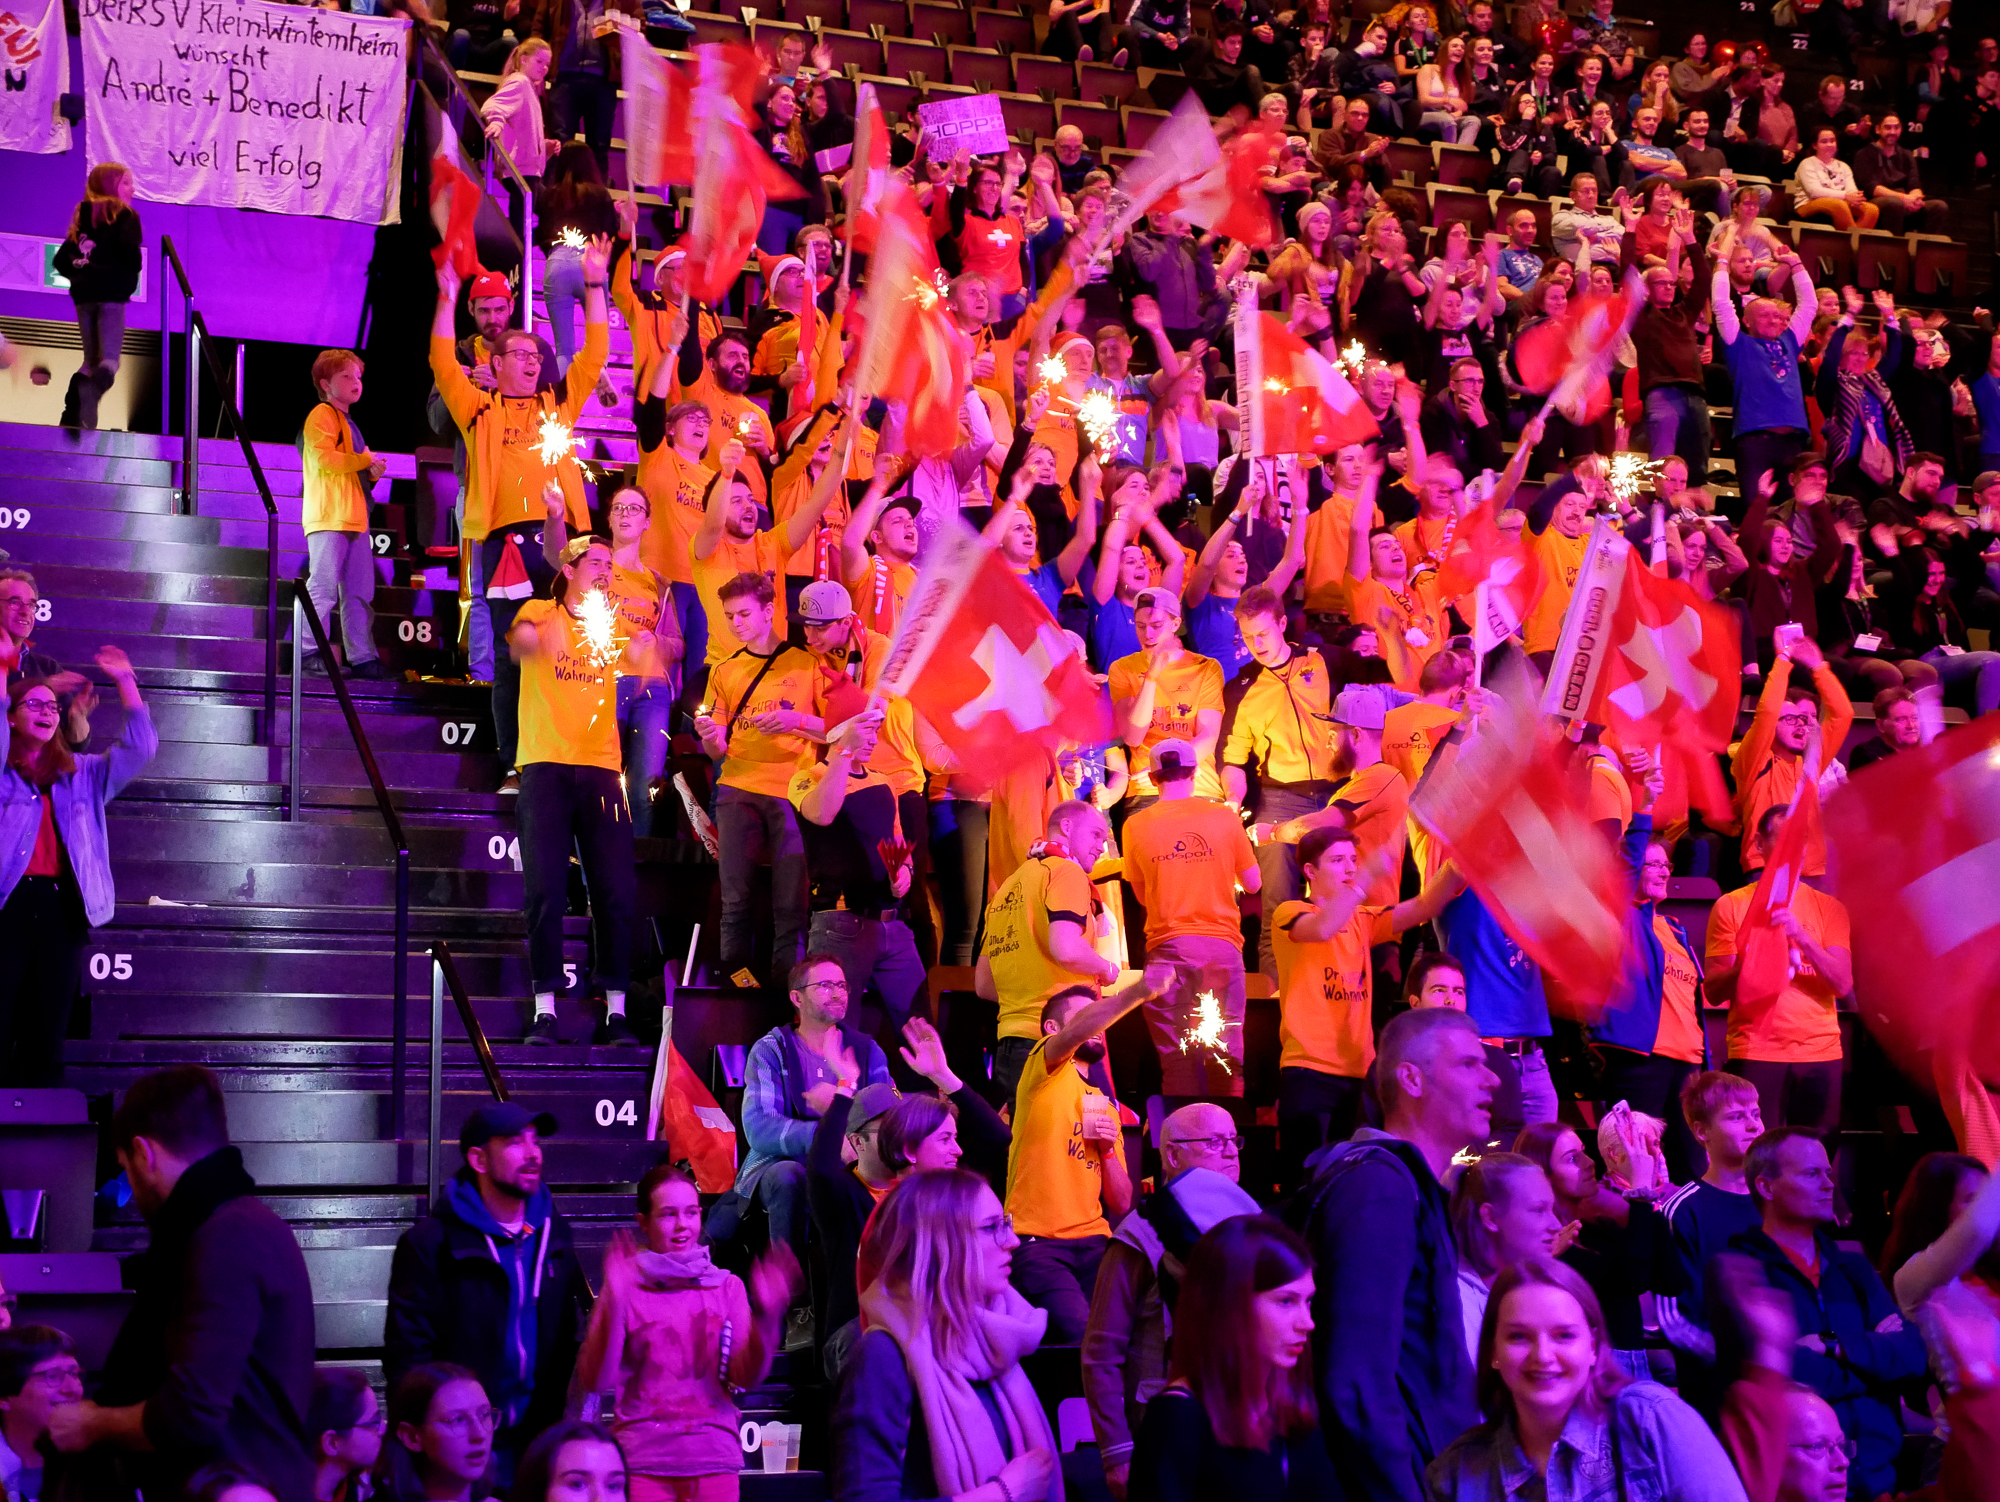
<point x="1124" y="1343"/>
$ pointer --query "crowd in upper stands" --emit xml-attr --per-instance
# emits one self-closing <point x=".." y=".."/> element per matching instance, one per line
<point x="1476" y="1263"/>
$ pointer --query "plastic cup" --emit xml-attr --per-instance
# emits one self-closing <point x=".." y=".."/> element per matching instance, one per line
<point x="794" y="1434"/>
<point x="772" y="1440"/>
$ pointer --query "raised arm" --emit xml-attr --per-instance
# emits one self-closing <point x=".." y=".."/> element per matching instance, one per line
<point x="708" y="536"/>
<point x="854" y="558"/>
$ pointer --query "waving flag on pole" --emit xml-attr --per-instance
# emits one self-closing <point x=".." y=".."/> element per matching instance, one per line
<point x="1571" y="357"/>
<point x="455" y="199"/>
<point x="983" y="661"/>
<point x="658" y="149"/>
<point x="1768" y="961"/>
<point x="908" y="349"/>
<point x="1503" y="578"/>
<point x="1296" y="401"/>
<point x="868" y="172"/>
<point x="732" y="176"/>
<point x="1185" y="170"/>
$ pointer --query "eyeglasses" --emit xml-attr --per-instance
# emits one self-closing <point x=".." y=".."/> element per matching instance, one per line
<point x="40" y="707"/>
<point x="999" y="1229"/>
<point x="1223" y="1145"/>
<point x="56" y="1376"/>
<point x="824" y="985"/>
<point x="1795" y="719"/>
<point x="627" y="508"/>
<point x="472" y="1418"/>
<point x="1823" y="1450"/>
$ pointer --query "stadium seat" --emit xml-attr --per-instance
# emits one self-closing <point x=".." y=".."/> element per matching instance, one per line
<point x="1029" y="117"/>
<point x="942" y="21"/>
<point x="897" y="96"/>
<point x="1003" y="30"/>
<point x="1050" y="77"/>
<point x="1882" y="261"/>
<point x="1102" y="81"/>
<point x="906" y="57"/>
<point x="1140" y="125"/>
<point x="891" y="16"/>
<point x="853" y="50"/>
<point x="1098" y="122"/>
<point x="724" y="29"/>
<point x="1411" y="160"/>
<point x="1827" y="252"/>
<point x="980" y="68"/>
<point x="1939" y="265"/>
<point x="1507" y="204"/>
<point x="826" y="12"/>
<point x="1450" y="205"/>
<point x="1464" y="166"/>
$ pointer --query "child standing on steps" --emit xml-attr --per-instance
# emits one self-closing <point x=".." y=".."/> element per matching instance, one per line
<point x="338" y="554"/>
<point x="672" y="1335"/>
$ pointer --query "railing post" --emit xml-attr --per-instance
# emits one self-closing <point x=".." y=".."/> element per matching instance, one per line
<point x="527" y="303"/>
<point x="271" y="632"/>
<point x="437" y="1083"/>
<point x="399" y="1037"/>
<point x="292" y="800"/>
<point x="191" y="414"/>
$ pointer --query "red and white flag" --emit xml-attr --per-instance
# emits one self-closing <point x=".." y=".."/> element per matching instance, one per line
<point x="1571" y="357"/>
<point x="980" y="658"/>
<point x="1768" y="961"/>
<point x="868" y="174"/>
<point x="1515" y="820"/>
<point x="658" y="144"/>
<point x="1300" y="401"/>
<point x="455" y="200"/>
<point x="1218" y="185"/>
<point x="1646" y="656"/>
<point x="732" y="176"/>
<point x="687" y="1118"/>
<point x="908" y="349"/>
<point x="1913" y="844"/>
<point x="1502" y="576"/>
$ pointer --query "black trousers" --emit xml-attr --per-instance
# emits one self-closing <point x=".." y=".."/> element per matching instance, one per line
<point x="1652" y="1084"/>
<point x="958" y="855"/>
<point x="1800" y="1095"/>
<point x="42" y="938"/>
<point x="567" y="808"/>
<point x="1313" y="1110"/>
<point x="585" y="101"/>
<point x="1059" y="1275"/>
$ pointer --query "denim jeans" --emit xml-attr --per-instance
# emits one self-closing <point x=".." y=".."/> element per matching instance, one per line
<point x="567" y="808"/>
<point x="1983" y="668"/>
<point x="478" y="620"/>
<point x="872" y="952"/>
<point x="781" y="1188"/>
<point x="645" y="721"/>
<point x="342" y="571"/>
<point x="102" y="325"/>
<point x="1277" y="863"/>
<point x="754" y="828"/>
<point x="693" y="621"/>
<point x="1677" y="423"/>
<point x="1201" y="964"/>
<point x="562" y="291"/>
<point x="1440" y="125"/>
<point x="1538" y="1090"/>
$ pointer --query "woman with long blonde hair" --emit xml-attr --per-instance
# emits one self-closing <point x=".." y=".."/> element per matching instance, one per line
<point x="933" y="1401"/>
<point x="101" y="258"/>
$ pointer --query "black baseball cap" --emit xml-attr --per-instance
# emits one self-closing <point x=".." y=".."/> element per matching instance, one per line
<point x="502" y="1118"/>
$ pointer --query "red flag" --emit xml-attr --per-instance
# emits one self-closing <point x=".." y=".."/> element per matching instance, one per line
<point x="868" y="172"/>
<point x="696" y="1128"/>
<point x="1302" y="403"/>
<point x="733" y="177"/>
<point x="908" y="349"/>
<point x="1644" y="655"/>
<point x="981" y="659"/>
<point x="658" y="141"/>
<point x="1913" y="843"/>
<point x="1766" y="949"/>
<point x="455" y="200"/>
<point x="1571" y="357"/>
<point x="1503" y="577"/>
<point x="1185" y="170"/>
<point x="1516" y="823"/>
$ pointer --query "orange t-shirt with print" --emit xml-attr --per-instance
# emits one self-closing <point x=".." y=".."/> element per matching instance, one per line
<point x="1326" y="990"/>
<point x="1680" y="1035"/>
<point x="1802" y="1026"/>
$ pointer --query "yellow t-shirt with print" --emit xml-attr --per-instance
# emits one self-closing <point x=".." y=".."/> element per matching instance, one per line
<point x="760" y="554"/>
<point x="1329" y="533"/>
<point x="1055" y="1175"/>
<point x="677" y="490"/>
<point x="569" y="704"/>
<point x="757" y="762"/>
<point x="1185" y="687"/>
<point x="1016" y="946"/>
<point x="1561" y="560"/>
<point x="636" y="593"/>
<point x="1325" y="991"/>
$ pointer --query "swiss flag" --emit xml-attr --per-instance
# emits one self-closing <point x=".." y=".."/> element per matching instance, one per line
<point x="1766" y="949"/>
<point x="1644" y="655"/>
<point x="908" y="349"/>
<point x="687" y="1118"/>
<point x="1503" y="577"/>
<point x="732" y="176"/>
<point x="1571" y="357"/>
<point x="1302" y="403"/>
<point x="981" y="659"/>
<point x="868" y="172"/>
<point x="455" y="200"/>
<point x="1516" y="822"/>
<point x="1185" y="170"/>
<point x="1913" y="843"/>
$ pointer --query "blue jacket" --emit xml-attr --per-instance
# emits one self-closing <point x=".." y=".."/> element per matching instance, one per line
<point x="1632" y="1019"/>
<point x="79" y="801"/>
<point x="1864" y="1370"/>
<point x="776" y="1119"/>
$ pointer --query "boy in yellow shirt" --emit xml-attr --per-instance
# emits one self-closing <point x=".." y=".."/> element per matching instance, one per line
<point x="340" y="560"/>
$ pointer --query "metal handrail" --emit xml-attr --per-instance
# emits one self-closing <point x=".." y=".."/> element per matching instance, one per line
<point x="444" y="976"/>
<point x="461" y="97"/>
<point x="306" y="614"/>
<point x="198" y="338"/>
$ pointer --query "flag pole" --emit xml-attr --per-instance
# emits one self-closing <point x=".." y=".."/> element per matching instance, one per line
<point x="1249" y="379"/>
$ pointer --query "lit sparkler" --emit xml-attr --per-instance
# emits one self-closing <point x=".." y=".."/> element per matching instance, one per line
<point x="572" y="237"/>
<point x="1353" y="359"/>
<point x="1097" y="415"/>
<point x="1630" y="474"/>
<point x="746" y="425"/>
<point x="1273" y="384"/>
<point x="928" y="294"/>
<point x="1052" y="370"/>
<point x="556" y="440"/>
<point x="596" y="620"/>
<point x="1208" y="1029"/>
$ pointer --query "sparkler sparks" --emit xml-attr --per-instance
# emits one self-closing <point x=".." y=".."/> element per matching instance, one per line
<point x="556" y="440"/>
<point x="573" y="238"/>
<point x="1273" y="384"/>
<point x="1207" y="1029"/>
<point x="596" y="620"/>
<point x="1052" y="370"/>
<point x="928" y="294"/>
<point x="1097" y="415"/>
<point x="1353" y="359"/>
<point x="1630" y="474"/>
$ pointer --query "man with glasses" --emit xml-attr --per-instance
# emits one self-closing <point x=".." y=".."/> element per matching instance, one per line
<point x="1853" y="1348"/>
<point x="1771" y="758"/>
<point x="20" y="613"/>
<point x="1066" y="1166"/>
<point x="38" y="1374"/>
<point x="1125" y="1341"/>
<point x="794" y="1072"/>
<point x="490" y="1280"/>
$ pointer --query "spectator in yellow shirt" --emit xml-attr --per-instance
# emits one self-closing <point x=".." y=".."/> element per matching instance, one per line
<point x="880" y="581"/>
<point x="1164" y="692"/>
<point x="338" y="554"/>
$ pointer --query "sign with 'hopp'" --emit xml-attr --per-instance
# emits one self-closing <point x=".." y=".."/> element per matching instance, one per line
<point x="246" y="105"/>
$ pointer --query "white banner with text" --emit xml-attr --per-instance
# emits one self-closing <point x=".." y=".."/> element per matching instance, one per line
<point x="34" y="60"/>
<point x="247" y="105"/>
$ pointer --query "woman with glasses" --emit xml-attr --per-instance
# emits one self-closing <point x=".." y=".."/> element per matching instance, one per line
<point x="933" y="1401"/>
<point x="55" y="861"/>
<point x="442" y="1450"/>
<point x="38" y="1374"/>
<point x="1558" y="1406"/>
<point x="1238" y="1419"/>
<point x="344" y="1428"/>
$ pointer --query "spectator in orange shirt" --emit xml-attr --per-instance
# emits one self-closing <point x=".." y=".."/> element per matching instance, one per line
<point x="882" y="579"/>
<point x="1412" y="731"/>
<point x="1370" y="802"/>
<point x="1771" y="757"/>
<point x="1790" y="1049"/>
<point x="1185" y="857"/>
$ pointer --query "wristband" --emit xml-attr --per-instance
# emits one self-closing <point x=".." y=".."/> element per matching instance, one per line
<point x="1006" y="1492"/>
<point x="595" y="286"/>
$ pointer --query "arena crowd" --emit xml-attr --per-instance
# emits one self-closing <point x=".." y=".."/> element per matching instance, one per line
<point x="1477" y="1264"/>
